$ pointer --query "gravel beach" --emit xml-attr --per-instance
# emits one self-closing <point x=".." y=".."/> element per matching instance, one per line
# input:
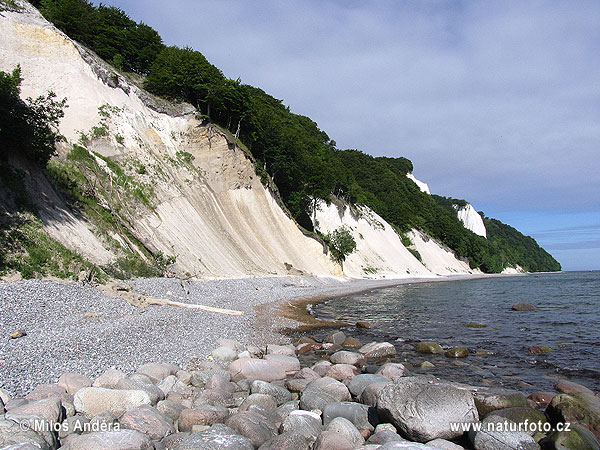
<point x="75" y="327"/>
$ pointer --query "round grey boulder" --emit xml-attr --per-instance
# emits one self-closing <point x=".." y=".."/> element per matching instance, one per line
<point x="358" y="384"/>
<point x="305" y="423"/>
<point x="424" y="409"/>
<point x="280" y="394"/>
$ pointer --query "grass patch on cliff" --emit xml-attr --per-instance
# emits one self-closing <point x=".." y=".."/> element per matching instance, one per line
<point x="27" y="249"/>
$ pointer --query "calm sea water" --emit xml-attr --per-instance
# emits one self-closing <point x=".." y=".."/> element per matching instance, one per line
<point x="568" y="321"/>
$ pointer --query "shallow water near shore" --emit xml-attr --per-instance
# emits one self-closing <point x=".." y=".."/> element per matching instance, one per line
<point x="567" y="321"/>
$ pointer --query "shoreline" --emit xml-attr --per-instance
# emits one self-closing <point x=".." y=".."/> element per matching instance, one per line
<point x="79" y="328"/>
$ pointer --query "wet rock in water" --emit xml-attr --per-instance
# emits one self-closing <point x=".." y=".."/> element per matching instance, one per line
<point x="427" y="365"/>
<point x="72" y="382"/>
<point x="360" y="415"/>
<point x="490" y="438"/>
<point x="358" y="384"/>
<point x="115" y="440"/>
<point x="342" y="372"/>
<point x="279" y="394"/>
<point x="579" y="407"/>
<point x="286" y="441"/>
<point x="423" y="408"/>
<point x="255" y="369"/>
<point x="443" y="444"/>
<point x="351" y="343"/>
<point x="347" y="429"/>
<point x="288" y="363"/>
<point x="540" y="399"/>
<point x="487" y="402"/>
<point x="522" y="306"/>
<point x="569" y="387"/>
<point x="577" y="438"/>
<point x="346" y="357"/>
<point x="93" y="400"/>
<point x="330" y="440"/>
<point x="306" y="423"/>
<point x="336" y="338"/>
<point x="537" y="349"/>
<point x="253" y="426"/>
<point x="392" y="371"/>
<point x="217" y="437"/>
<point x="149" y="421"/>
<point x="377" y="350"/>
<point x="263" y="400"/>
<point x="224" y="354"/>
<point x="363" y="324"/>
<point x="429" y="347"/>
<point x="202" y="415"/>
<point x="457" y="352"/>
<point x="522" y="415"/>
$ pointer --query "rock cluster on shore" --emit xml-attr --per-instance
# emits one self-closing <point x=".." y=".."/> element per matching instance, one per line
<point x="335" y="395"/>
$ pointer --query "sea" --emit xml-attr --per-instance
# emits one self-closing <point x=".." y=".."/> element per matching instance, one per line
<point x="477" y="314"/>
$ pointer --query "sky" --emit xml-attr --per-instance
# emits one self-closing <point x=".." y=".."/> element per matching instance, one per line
<point x="494" y="102"/>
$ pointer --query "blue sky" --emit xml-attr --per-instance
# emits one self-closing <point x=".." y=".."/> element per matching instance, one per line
<point x="495" y="102"/>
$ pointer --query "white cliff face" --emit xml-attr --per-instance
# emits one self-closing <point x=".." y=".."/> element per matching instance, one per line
<point x="380" y="252"/>
<point x="208" y="209"/>
<point x="423" y="186"/>
<point x="471" y="219"/>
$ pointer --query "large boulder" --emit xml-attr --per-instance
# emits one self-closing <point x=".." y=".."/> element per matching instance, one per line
<point x="305" y="423"/>
<point x="287" y="350"/>
<point x="424" y="409"/>
<point x="114" y="440"/>
<point x="149" y="421"/>
<point x="361" y="416"/>
<point x="72" y="382"/>
<point x="429" y="347"/>
<point x="357" y="385"/>
<point x="371" y="393"/>
<point x="93" y="400"/>
<point x="287" y="363"/>
<point x="253" y="426"/>
<point x="378" y="350"/>
<point x="157" y="371"/>
<point x="217" y="437"/>
<point x="12" y="433"/>
<point x="315" y="399"/>
<point x="347" y="429"/>
<point x="330" y="440"/>
<point x="392" y="371"/>
<point x="577" y="438"/>
<point x="202" y="415"/>
<point x="286" y="441"/>
<point x="280" y="394"/>
<point x="524" y="416"/>
<point x="578" y="407"/>
<point x="109" y="379"/>
<point x="569" y="387"/>
<point x="490" y="437"/>
<point x="487" y="402"/>
<point x="265" y="401"/>
<point x="342" y="372"/>
<point x="50" y="409"/>
<point x="523" y="306"/>
<point x="345" y="357"/>
<point x="255" y="369"/>
<point x="170" y="409"/>
<point x="337" y="390"/>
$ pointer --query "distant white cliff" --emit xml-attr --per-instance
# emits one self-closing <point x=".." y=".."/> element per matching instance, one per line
<point x="423" y="186"/>
<point x="471" y="219"/>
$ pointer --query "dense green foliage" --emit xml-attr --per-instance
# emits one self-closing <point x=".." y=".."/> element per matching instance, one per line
<point x="108" y="31"/>
<point x="27" y="128"/>
<point x="300" y="158"/>
<point x="341" y="244"/>
<point x="518" y="249"/>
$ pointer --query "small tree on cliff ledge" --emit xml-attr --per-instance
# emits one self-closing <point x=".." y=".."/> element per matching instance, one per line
<point x="341" y="244"/>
